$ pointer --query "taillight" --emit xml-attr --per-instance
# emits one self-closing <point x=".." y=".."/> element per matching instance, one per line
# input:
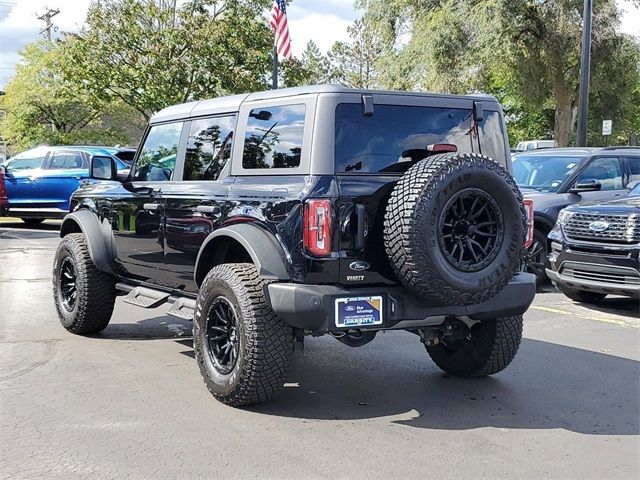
<point x="528" y="206"/>
<point x="317" y="227"/>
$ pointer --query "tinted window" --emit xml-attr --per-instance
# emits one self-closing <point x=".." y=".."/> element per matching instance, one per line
<point x="157" y="158"/>
<point x="66" y="160"/>
<point x="395" y="137"/>
<point x="606" y="170"/>
<point x="542" y="172"/>
<point x="634" y="168"/>
<point x="492" y="136"/>
<point x="274" y="137"/>
<point x="27" y="160"/>
<point x="208" y="147"/>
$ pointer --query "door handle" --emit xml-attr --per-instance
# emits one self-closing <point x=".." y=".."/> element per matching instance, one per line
<point x="210" y="209"/>
<point x="152" y="207"/>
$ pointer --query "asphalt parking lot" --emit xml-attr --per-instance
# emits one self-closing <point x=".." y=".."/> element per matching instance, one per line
<point x="130" y="402"/>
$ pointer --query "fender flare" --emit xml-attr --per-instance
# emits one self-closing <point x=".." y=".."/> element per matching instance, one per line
<point x="263" y="248"/>
<point x="98" y="241"/>
<point x="544" y="219"/>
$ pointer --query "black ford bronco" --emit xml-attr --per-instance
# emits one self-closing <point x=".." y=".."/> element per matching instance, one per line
<point x="272" y="216"/>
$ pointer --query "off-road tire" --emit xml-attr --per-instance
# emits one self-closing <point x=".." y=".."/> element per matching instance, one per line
<point x="265" y="342"/>
<point x="412" y="234"/>
<point x="32" y="221"/>
<point x="95" y="290"/>
<point x="490" y="349"/>
<point x="582" y="296"/>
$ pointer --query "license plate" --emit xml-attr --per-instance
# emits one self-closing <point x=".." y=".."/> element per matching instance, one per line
<point x="358" y="312"/>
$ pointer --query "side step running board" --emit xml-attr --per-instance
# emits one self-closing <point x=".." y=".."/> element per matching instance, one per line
<point x="145" y="297"/>
<point x="181" y="307"/>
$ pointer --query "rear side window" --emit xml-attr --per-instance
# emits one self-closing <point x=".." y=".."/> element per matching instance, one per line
<point x="634" y="168"/>
<point x="274" y="137"/>
<point x="66" y="160"/>
<point x="158" y="154"/>
<point x="208" y="147"/>
<point x="27" y="160"/>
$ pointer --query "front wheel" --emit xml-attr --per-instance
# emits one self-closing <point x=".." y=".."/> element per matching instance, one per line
<point x="243" y="349"/>
<point x="84" y="296"/>
<point x="487" y="348"/>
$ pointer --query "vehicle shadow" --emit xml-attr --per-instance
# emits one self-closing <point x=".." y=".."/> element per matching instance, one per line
<point x="548" y="386"/>
<point x="611" y="304"/>
<point x="20" y="225"/>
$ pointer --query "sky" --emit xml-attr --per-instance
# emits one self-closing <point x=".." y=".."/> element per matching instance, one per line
<point x="323" y="21"/>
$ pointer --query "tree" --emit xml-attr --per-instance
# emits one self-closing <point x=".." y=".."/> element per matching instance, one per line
<point x="460" y="46"/>
<point x="43" y="106"/>
<point x="154" y="53"/>
<point x="312" y="68"/>
<point x="353" y="63"/>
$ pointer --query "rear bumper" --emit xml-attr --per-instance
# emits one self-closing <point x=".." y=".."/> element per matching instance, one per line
<point x="312" y="307"/>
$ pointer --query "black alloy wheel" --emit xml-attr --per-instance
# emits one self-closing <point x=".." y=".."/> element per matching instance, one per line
<point x="471" y="230"/>
<point x="68" y="285"/>
<point x="222" y="335"/>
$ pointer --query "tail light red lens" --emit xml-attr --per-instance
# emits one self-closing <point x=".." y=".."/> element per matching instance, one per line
<point x="442" y="147"/>
<point x="528" y="206"/>
<point x="317" y="227"/>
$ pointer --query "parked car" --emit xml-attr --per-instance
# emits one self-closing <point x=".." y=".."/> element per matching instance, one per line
<point x="40" y="181"/>
<point x="534" y="145"/>
<point x="310" y="211"/>
<point x="595" y="249"/>
<point x="558" y="177"/>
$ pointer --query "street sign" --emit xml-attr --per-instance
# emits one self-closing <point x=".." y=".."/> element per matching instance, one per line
<point x="606" y="127"/>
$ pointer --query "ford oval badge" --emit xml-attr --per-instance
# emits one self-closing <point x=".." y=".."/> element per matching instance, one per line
<point x="598" y="226"/>
<point x="359" y="266"/>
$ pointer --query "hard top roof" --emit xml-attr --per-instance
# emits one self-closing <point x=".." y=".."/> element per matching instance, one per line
<point x="559" y="151"/>
<point x="233" y="102"/>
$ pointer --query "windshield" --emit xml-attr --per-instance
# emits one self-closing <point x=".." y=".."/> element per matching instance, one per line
<point x="635" y="191"/>
<point x="544" y="173"/>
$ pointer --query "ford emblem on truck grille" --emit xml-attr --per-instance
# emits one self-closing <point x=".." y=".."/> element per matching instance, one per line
<point x="598" y="226"/>
<point x="359" y="266"/>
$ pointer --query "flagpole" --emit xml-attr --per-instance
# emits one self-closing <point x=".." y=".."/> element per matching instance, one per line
<point x="274" y="74"/>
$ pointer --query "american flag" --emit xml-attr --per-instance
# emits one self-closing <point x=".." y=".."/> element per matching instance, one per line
<point x="280" y="26"/>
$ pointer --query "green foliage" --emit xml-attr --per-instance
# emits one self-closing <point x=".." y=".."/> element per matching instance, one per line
<point x="312" y="68"/>
<point x="353" y="63"/>
<point x="153" y="53"/>
<point x="43" y="106"/>
<point x="527" y="53"/>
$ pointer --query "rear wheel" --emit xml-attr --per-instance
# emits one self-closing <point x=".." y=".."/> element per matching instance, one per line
<point x="535" y="260"/>
<point x="32" y="221"/>
<point x="84" y="296"/>
<point x="243" y="349"/>
<point x="487" y="348"/>
<point x="582" y="295"/>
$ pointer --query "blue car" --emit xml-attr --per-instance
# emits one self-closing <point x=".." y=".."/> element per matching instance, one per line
<point x="40" y="181"/>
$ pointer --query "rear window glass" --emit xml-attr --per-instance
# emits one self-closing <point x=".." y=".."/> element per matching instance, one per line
<point x="66" y="160"/>
<point x="395" y="137"/>
<point x="274" y="137"/>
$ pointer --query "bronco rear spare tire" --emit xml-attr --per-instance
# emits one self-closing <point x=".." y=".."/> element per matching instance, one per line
<point x="455" y="227"/>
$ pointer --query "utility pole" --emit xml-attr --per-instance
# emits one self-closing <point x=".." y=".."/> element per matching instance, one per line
<point x="46" y="18"/>
<point x="585" y="67"/>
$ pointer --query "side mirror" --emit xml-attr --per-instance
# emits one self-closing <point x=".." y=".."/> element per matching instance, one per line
<point x="586" y="185"/>
<point x="102" y="168"/>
